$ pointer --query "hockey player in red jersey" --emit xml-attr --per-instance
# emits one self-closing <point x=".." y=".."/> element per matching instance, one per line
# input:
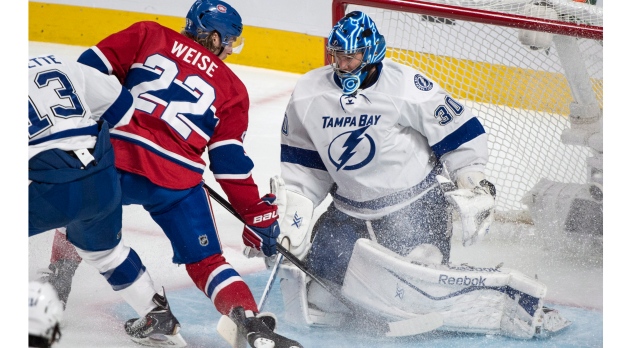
<point x="188" y="101"/>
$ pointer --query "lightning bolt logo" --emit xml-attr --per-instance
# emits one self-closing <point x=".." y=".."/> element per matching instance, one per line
<point x="350" y="144"/>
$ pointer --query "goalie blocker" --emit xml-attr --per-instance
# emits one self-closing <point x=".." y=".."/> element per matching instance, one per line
<point x="470" y="299"/>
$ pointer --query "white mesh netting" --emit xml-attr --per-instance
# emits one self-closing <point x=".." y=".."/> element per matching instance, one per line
<point x="521" y="94"/>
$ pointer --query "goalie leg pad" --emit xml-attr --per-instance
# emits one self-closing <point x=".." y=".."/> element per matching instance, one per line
<point x="294" y="285"/>
<point x="323" y="300"/>
<point x="471" y="299"/>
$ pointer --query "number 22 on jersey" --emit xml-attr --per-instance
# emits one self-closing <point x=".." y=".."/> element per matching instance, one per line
<point x="185" y="102"/>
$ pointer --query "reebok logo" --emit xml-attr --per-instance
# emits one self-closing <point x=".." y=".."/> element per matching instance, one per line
<point x="444" y="279"/>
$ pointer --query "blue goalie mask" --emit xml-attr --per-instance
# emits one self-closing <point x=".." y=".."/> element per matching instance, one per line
<point x="206" y="16"/>
<point x="354" y="39"/>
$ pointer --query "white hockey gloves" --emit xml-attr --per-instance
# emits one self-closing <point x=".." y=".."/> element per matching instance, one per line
<point x="474" y="199"/>
<point x="295" y="212"/>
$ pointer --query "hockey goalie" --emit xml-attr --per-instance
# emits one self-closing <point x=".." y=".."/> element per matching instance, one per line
<point x="397" y="154"/>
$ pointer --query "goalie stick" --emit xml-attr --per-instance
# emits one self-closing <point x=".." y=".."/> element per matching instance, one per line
<point x="416" y="325"/>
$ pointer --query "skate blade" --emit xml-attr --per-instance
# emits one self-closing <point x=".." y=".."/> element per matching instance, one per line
<point x="161" y="341"/>
<point x="553" y="322"/>
<point x="557" y="327"/>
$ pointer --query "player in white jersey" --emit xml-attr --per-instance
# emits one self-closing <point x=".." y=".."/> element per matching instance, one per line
<point x="389" y="145"/>
<point x="74" y="184"/>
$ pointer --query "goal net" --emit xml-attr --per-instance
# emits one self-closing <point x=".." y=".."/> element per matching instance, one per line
<point x="531" y="71"/>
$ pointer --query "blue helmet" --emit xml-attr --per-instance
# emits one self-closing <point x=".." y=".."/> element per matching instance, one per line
<point x="354" y="33"/>
<point x="206" y="16"/>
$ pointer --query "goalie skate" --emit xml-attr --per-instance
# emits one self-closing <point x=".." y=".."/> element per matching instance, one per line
<point x="552" y="322"/>
<point x="242" y="327"/>
<point x="158" y="328"/>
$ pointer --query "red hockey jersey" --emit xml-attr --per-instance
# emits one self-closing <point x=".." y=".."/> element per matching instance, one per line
<point x="187" y="100"/>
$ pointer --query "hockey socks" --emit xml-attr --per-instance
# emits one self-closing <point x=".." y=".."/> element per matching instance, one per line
<point x="222" y="284"/>
<point x="62" y="249"/>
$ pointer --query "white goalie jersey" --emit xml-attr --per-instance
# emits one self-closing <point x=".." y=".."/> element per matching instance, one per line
<point x="65" y="101"/>
<point x="381" y="147"/>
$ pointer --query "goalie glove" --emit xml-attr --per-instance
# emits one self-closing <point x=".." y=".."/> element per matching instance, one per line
<point x="474" y="199"/>
<point x="261" y="228"/>
<point x="295" y="212"/>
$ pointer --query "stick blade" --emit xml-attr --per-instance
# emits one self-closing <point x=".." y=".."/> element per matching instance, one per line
<point x="229" y="331"/>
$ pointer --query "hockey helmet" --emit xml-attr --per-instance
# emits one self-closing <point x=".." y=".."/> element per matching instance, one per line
<point x="206" y="16"/>
<point x="44" y="313"/>
<point x="355" y="33"/>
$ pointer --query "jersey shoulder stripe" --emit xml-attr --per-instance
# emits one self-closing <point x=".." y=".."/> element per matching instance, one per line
<point x="466" y="132"/>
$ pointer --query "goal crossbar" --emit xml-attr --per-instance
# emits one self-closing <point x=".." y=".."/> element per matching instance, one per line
<point x="474" y="15"/>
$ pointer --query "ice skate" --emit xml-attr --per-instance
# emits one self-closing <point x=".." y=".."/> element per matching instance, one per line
<point x="552" y="322"/>
<point x="60" y="274"/>
<point x="242" y="327"/>
<point x="158" y="328"/>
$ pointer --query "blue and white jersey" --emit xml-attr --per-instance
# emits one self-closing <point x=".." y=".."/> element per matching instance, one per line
<point x="382" y="147"/>
<point x="65" y="101"/>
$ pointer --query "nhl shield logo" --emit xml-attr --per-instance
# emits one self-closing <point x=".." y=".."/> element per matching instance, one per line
<point x="204" y="241"/>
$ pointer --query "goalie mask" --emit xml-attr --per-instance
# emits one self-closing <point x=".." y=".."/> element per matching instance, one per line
<point x="353" y="45"/>
<point x="206" y="16"/>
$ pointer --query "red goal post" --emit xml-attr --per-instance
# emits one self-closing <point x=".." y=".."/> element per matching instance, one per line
<point x="472" y="15"/>
<point x="542" y="106"/>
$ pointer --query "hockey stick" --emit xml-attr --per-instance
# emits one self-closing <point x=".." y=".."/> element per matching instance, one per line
<point x="272" y="278"/>
<point x="418" y="324"/>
